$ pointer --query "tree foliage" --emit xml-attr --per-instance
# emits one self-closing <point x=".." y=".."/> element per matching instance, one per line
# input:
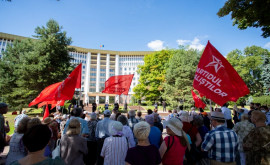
<point x="248" y="13"/>
<point x="248" y="64"/>
<point x="152" y="75"/>
<point x="266" y="74"/>
<point x="30" y="65"/>
<point x="179" y="77"/>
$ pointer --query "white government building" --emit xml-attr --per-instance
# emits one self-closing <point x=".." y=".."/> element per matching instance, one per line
<point x="97" y="66"/>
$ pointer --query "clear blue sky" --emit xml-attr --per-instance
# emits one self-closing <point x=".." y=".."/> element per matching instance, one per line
<point x="132" y="25"/>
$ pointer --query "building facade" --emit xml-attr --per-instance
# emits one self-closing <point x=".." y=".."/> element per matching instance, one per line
<point x="97" y="66"/>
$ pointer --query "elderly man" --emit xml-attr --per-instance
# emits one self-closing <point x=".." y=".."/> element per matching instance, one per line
<point x="257" y="143"/>
<point x="102" y="132"/>
<point x="221" y="143"/>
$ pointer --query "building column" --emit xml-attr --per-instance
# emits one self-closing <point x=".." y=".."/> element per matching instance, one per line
<point x="87" y="78"/>
<point x="107" y="72"/>
<point x="117" y="73"/>
<point x="98" y="77"/>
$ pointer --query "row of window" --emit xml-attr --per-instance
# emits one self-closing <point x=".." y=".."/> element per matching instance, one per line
<point x="130" y="64"/>
<point x="75" y="61"/>
<point x="101" y="79"/>
<point x="131" y="59"/>
<point x="78" y="55"/>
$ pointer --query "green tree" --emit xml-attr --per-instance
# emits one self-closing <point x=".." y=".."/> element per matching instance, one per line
<point x="266" y="74"/>
<point x="247" y="13"/>
<point x="248" y="64"/>
<point x="152" y="75"/>
<point x="31" y="65"/>
<point x="179" y="77"/>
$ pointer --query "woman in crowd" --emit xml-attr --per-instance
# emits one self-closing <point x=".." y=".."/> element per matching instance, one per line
<point x="115" y="147"/>
<point x="127" y="130"/>
<point x="173" y="148"/>
<point x="35" y="141"/>
<point x="73" y="146"/>
<point x="91" y="140"/>
<point x="16" y="148"/>
<point x="144" y="153"/>
<point x="242" y="129"/>
<point x="155" y="136"/>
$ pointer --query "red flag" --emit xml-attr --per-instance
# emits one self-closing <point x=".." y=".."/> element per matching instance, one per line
<point x="46" y="114"/>
<point x="48" y="92"/>
<point x="53" y="103"/>
<point x="118" y="84"/>
<point x="198" y="102"/>
<point x="66" y="90"/>
<point x="216" y="78"/>
<point x="62" y="90"/>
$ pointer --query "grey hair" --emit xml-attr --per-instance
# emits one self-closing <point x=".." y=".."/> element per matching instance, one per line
<point x="141" y="130"/>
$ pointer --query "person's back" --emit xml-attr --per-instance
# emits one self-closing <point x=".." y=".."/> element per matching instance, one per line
<point x="191" y="130"/>
<point x="155" y="136"/>
<point x="174" y="150"/>
<point x="143" y="155"/>
<point x="132" y="121"/>
<point x="114" y="150"/>
<point x="17" y="150"/>
<point x="223" y="141"/>
<point x="73" y="147"/>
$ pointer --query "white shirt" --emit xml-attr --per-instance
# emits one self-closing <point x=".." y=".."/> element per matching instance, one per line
<point x="128" y="133"/>
<point x="114" y="150"/>
<point x="245" y="110"/>
<point x="227" y="113"/>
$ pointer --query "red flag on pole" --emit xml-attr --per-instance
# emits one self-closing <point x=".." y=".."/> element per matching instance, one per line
<point x="46" y="114"/>
<point x="118" y="84"/>
<point x="198" y="102"/>
<point x="53" y="103"/>
<point x="62" y="90"/>
<point x="48" y="92"/>
<point x="66" y="90"/>
<point x="216" y="78"/>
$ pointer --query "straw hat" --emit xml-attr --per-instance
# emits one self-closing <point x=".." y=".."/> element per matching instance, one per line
<point x="217" y="116"/>
<point x="175" y="125"/>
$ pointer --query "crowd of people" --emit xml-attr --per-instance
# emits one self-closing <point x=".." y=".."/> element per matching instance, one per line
<point x="192" y="137"/>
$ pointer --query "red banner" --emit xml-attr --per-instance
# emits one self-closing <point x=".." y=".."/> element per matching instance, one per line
<point x="54" y="103"/>
<point x="198" y="102"/>
<point x="48" y="92"/>
<point x="62" y="90"/>
<point x="66" y="90"/>
<point x="118" y="84"/>
<point x="217" y="79"/>
<point x="46" y="113"/>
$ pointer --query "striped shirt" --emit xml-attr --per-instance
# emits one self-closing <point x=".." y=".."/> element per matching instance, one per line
<point x="114" y="150"/>
<point x="221" y="144"/>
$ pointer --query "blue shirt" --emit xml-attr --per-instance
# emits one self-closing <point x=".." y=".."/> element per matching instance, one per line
<point x="154" y="136"/>
<point x="221" y="144"/>
<point x="84" y="126"/>
<point x="102" y="129"/>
